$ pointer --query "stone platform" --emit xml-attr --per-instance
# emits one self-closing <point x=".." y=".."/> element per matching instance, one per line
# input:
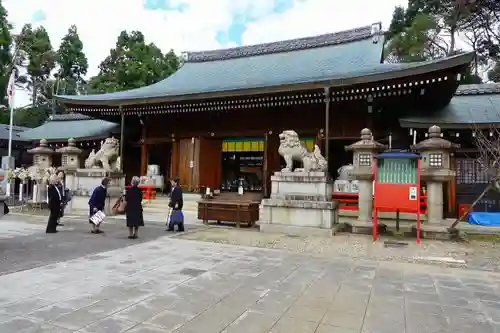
<point x="299" y="204"/>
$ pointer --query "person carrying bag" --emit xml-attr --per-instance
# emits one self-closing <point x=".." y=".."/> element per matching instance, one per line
<point x="175" y="216"/>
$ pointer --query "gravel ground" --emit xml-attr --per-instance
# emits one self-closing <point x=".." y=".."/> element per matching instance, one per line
<point x="478" y="255"/>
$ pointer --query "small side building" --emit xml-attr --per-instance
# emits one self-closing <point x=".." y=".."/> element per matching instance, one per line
<point x="87" y="132"/>
<point x="473" y="107"/>
<point x="19" y="145"/>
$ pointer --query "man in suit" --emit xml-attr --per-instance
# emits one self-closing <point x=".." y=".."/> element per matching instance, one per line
<point x="97" y="202"/>
<point x="55" y="199"/>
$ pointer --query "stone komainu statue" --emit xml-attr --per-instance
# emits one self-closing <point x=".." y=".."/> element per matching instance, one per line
<point x="107" y="157"/>
<point x="291" y="149"/>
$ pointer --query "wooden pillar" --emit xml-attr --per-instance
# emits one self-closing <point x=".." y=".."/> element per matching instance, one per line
<point x="271" y="160"/>
<point x="144" y="151"/>
<point x="452" y="189"/>
<point x="122" y="136"/>
<point x="327" y="125"/>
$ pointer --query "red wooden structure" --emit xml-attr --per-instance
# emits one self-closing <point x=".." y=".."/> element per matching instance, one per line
<point x="148" y="191"/>
<point x="397" y="186"/>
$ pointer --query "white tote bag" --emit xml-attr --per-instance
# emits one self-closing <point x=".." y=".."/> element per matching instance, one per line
<point x="98" y="217"/>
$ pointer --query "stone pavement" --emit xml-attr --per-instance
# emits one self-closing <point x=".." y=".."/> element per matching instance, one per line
<point x="170" y="284"/>
<point x="477" y="255"/>
<point x="24" y="243"/>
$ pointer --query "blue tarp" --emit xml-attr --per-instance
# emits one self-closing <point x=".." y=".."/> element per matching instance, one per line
<point x="485" y="219"/>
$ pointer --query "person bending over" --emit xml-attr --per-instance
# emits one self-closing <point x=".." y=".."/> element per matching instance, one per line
<point x="97" y="202"/>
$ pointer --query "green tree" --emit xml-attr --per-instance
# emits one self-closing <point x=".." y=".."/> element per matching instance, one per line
<point x="31" y="116"/>
<point x="494" y="73"/>
<point x="5" y="54"/>
<point x="426" y="29"/>
<point x="38" y="51"/>
<point x="73" y="63"/>
<point x="133" y="63"/>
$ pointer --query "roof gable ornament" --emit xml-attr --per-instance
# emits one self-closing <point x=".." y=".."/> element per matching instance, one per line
<point x="184" y="57"/>
<point x="376" y="29"/>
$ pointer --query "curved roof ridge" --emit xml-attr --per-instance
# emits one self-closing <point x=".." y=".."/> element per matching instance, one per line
<point x="289" y="45"/>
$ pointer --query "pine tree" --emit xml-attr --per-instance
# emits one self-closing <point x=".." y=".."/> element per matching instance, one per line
<point x="73" y="63"/>
<point x="5" y="53"/>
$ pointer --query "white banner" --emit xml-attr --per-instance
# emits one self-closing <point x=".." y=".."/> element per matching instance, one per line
<point x="7" y="190"/>
<point x="21" y="192"/>
<point x="47" y="190"/>
<point x="11" y="88"/>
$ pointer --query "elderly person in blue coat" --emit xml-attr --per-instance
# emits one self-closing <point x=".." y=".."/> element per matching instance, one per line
<point x="97" y="202"/>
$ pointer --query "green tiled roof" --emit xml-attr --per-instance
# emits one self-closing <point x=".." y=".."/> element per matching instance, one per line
<point x="298" y="61"/>
<point x="63" y="127"/>
<point x="472" y="104"/>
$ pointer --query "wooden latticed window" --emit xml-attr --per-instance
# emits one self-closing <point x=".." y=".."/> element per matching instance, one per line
<point x="365" y="159"/>
<point x="64" y="160"/>
<point x="436" y="160"/>
<point x="470" y="171"/>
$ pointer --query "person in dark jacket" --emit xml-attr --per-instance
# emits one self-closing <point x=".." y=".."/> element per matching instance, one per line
<point x="55" y="199"/>
<point x="60" y="187"/>
<point x="133" y="208"/>
<point x="97" y="202"/>
<point x="176" y="203"/>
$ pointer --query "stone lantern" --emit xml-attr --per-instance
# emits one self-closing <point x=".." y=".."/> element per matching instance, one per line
<point x="70" y="155"/>
<point x="436" y="169"/>
<point x="42" y="155"/>
<point x="363" y="152"/>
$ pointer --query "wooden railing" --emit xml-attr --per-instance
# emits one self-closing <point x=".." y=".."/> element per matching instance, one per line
<point x="349" y="202"/>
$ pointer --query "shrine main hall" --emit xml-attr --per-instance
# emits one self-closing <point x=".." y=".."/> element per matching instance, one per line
<point x="215" y="122"/>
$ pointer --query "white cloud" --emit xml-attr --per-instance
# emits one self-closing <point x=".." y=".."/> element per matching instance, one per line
<point x="99" y="22"/>
<point x="313" y="17"/>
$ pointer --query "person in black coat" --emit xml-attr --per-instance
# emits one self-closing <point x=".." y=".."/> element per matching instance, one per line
<point x="62" y="190"/>
<point x="176" y="203"/>
<point x="97" y="202"/>
<point x="133" y="208"/>
<point x="55" y="199"/>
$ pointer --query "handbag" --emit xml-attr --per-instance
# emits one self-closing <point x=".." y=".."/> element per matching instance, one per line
<point x="120" y="205"/>
<point x="176" y="218"/>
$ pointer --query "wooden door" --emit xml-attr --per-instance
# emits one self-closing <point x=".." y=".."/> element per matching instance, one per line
<point x="186" y="148"/>
<point x="271" y="161"/>
<point x="174" y="160"/>
<point x="210" y="162"/>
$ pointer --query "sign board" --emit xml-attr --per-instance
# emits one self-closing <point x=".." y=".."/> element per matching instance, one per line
<point x="97" y="218"/>
<point x="8" y="162"/>
<point x="412" y="193"/>
<point x="191" y="164"/>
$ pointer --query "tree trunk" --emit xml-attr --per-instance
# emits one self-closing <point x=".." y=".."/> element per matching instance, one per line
<point x="452" y="41"/>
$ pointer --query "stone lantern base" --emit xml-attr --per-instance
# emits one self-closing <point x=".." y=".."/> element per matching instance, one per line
<point x="300" y="204"/>
<point x="84" y="181"/>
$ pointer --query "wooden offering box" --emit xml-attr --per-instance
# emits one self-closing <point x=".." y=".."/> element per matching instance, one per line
<point x="230" y="208"/>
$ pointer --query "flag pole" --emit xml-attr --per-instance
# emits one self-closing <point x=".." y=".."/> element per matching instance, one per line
<point x="11" y="94"/>
<point x="11" y="123"/>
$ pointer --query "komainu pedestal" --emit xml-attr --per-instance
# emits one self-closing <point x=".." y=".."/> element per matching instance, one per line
<point x="300" y="204"/>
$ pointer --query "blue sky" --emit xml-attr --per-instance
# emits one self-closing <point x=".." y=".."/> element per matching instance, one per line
<point x="193" y="25"/>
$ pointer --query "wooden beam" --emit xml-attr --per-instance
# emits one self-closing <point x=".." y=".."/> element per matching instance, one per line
<point x="144" y="152"/>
